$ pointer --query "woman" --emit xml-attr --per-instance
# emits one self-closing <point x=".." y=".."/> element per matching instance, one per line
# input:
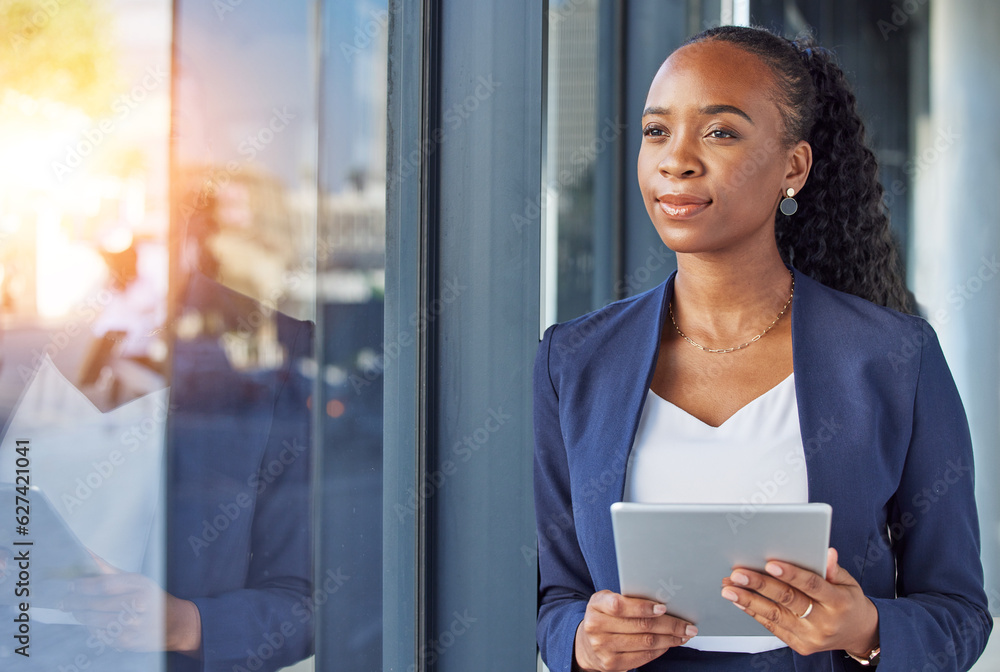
<point x="739" y="362"/>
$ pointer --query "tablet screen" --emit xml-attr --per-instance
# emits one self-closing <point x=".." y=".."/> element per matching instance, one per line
<point x="678" y="554"/>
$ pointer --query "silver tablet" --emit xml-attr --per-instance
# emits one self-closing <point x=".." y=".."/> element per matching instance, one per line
<point x="678" y="554"/>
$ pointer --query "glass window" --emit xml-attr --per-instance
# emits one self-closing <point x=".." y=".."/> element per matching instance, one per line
<point x="573" y="144"/>
<point x="85" y="397"/>
<point x="244" y="335"/>
<point x="192" y="262"/>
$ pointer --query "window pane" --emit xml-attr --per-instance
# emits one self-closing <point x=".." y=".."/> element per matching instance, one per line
<point x="573" y="147"/>
<point x="84" y="367"/>
<point x="350" y="290"/>
<point x="239" y="536"/>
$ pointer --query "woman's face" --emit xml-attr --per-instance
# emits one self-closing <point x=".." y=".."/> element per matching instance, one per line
<point x="712" y="165"/>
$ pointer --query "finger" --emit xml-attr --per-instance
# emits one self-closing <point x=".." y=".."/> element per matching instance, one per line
<point x="631" y="661"/>
<point x="109" y="584"/>
<point x="771" y="618"/>
<point x="614" y="604"/>
<point x="102" y="620"/>
<point x="836" y="574"/>
<point x="753" y="603"/>
<point x="640" y="643"/>
<point x="106" y="604"/>
<point x="775" y="618"/>
<point x="104" y="566"/>
<point x="775" y="590"/>
<point x="809" y="583"/>
<point x="657" y="625"/>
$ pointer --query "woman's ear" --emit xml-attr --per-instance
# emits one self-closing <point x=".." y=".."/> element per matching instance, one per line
<point x="799" y="165"/>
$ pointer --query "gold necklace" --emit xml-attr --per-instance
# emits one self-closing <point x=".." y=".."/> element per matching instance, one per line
<point x="670" y="309"/>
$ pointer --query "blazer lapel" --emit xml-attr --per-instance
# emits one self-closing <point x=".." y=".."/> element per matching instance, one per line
<point x="825" y="396"/>
<point x="628" y="378"/>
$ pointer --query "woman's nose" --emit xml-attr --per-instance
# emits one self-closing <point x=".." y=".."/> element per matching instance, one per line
<point x="680" y="158"/>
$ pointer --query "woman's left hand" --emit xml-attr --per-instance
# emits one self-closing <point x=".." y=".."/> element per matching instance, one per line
<point x="841" y="616"/>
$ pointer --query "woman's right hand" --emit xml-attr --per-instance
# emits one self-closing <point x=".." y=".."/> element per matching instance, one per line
<point x="620" y="633"/>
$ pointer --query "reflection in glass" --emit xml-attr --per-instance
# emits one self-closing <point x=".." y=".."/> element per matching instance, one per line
<point x="242" y="368"/>
<point x="84" y="396"/>
<point x="167" y="423"/>
<point x="350" y="292"/>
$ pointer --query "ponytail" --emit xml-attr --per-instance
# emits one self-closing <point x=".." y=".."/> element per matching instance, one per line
<point x="840" y="235"/>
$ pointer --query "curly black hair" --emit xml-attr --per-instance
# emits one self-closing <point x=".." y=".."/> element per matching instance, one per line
<point x="840" y="235"/>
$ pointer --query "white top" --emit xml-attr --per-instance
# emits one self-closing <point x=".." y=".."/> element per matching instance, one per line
<point x="755" y="457"/>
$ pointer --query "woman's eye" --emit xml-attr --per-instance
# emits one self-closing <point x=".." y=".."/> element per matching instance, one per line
<point x="652" y="132"/>
<point x="721" y="134"/>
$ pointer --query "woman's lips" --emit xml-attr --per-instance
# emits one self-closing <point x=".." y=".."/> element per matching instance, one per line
<point x="682" y="207"/>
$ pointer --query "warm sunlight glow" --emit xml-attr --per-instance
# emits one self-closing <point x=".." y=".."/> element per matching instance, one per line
<point x="84" y="127"/>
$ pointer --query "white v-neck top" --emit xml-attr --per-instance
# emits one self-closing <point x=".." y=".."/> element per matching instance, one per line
<point x="755" y="457"/>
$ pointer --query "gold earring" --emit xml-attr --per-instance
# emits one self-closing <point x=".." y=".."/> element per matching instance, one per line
<point x="788" y="205"/>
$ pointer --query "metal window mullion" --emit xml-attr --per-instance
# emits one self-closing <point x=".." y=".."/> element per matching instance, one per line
<point x="406" y="295"/>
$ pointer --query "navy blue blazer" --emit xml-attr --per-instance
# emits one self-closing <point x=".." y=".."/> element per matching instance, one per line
<point x="887" y="445"/>
<point x="239" y="528"/>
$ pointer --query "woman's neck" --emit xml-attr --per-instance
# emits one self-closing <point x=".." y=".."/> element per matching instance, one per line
<point x="725" y="300"/>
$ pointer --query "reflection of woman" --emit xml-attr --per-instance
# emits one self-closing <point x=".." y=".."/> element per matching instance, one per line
<point x="740" y="368"/>
<point x="238" y="531"/>
<point x="216" y="567"/>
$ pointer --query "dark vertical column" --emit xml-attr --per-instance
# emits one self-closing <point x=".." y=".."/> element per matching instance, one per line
<point x="484" y="312"/>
